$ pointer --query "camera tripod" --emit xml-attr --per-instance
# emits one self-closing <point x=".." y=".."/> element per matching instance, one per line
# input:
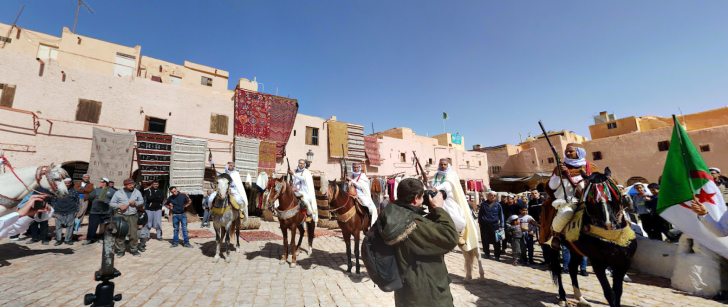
<point x="104" y="294"/>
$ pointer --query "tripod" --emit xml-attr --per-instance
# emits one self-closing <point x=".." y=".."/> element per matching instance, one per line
<point x="104" y="295"/>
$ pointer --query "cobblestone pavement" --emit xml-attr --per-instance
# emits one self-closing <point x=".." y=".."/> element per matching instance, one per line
<point x="38" y="275"/>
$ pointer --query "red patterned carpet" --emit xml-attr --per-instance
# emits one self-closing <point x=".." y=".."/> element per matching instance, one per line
<point x="251" y="236"/>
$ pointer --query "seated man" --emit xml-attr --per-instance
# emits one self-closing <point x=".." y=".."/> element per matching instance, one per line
<point x="304" y="189"/>
<point x="360" y="181"/>
<point x="237" y="190"/>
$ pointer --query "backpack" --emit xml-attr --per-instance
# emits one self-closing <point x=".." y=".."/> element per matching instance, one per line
<point x="380" y="261"/>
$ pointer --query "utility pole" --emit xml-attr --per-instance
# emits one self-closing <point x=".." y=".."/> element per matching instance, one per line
<point x="78" y="8"/>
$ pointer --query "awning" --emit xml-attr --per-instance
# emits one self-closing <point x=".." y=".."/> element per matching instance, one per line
<point x="534" y="177"/>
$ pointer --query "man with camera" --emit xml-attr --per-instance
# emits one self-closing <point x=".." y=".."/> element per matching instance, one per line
<point x="100" y="198"/>
<point x="125" y="203"/>
<point x="17" y="222"/>
<point x="421" y="242"/>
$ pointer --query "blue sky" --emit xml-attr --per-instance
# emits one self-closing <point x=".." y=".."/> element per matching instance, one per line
<point x="496" y="67"/>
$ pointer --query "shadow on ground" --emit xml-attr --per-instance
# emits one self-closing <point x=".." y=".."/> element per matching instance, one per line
<point x="10" y="251"/>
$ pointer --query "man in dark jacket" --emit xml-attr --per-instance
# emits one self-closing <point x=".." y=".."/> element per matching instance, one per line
<point x="421" y="244"/>
<point x="100" y="199"/>
<point x="177" y="204"/>
<point x="65" y="213"/>
<point x="153" y="200"/>
<point x="490" y="219"/>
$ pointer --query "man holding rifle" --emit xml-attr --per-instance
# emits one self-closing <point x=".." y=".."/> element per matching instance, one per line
<point x="360" y="181"/>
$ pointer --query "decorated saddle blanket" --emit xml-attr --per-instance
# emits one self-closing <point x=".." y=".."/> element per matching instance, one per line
<point x="575" y="228"/>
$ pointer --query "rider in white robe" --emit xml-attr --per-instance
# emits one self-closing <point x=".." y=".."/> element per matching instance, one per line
<point x="237" y="189"/>
<point x="360" y="181"/>
<point x="456" y="204"/>
<point x="303" y="187"/>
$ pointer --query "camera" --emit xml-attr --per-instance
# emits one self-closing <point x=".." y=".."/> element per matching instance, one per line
<point x="40" y="204"/>
<point x="429" y="194"/>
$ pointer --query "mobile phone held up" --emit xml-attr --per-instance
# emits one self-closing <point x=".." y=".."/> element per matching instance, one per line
<point x="39" y="204"/>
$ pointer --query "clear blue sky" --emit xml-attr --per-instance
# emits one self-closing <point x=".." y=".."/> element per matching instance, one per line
<point x="496" y="67"/>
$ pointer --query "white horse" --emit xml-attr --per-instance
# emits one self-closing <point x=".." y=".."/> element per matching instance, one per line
<point x="225" y="218"/>
<point x="16" y="184"/>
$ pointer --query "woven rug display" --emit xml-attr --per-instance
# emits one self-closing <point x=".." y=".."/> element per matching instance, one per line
<point x="355" y="139"/>
<point x="267" y="157"/>
<point x="200" y="234"/>
<point x="252" y="115"/>
<point x="321" y="198"/>
<point x="154" y="153"/>
<point x="282" y="116"/>
<point x="251" y="236"/>
<point x="372" y="149"/>
<point x="111" y="155"/>
<point x="338" y="137"/>
<point x="187" y="170"/>
<point x="246" y="156"/>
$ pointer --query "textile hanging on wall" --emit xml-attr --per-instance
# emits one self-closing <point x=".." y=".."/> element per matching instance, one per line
<point x="355" y="139"/>
<point x="282" y="116"/>
<point x="187" y="170"/>
<point x="246" y="156"/>
<point x="154" y="153"/>
<point x="267" y="157"/>
<point x="252" y="115"/>
<point x="322" y="200"/>
<point x="338" y="136"/>
<point x="372" y="150"/>
<point x="111" y="155"/>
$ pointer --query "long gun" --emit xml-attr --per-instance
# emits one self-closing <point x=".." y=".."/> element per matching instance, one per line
<point x="288" y="175"/>
<point x="343" y="154"/>
<point x="419" y="165"/>
<point x="558" y="160"/>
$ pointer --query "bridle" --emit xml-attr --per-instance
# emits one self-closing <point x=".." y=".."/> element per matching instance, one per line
<point x="41" y="171"/>
<point x="336" y="195"/>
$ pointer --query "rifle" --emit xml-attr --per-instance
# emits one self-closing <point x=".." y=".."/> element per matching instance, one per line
<point x="556" y="156"/>
<point x="288" y="175"/>
<point x="421" y="170"/>
<point x="345" y="165"/>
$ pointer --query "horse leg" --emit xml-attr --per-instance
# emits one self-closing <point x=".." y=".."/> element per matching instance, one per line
<point x="227" y="245"/>
<point x="293" y="246"/>
<point x="356" y="251"/>
<point x="347" y="239"/>
<point x="311" y="235"/>
<point x="300" y="239"/>
<point x="218" y="240"/>
<point x="617" y="283"/>
<point x="468" y="265"/>
<point x="599" y="270"/>
<point x="476" y="255"/>
<point x="237" y="236"/>
<point x="285" y="245"/>
<point x="573" y="269"/>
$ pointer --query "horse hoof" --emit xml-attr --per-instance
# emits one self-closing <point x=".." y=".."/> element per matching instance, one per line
<point x="216" y="259"/>
<point x="583" y="303"/>
<point x="283" y="262"/>
<point x="293" y="265"/>
<point x="227" y="260"/>
<point x="562" y="303"/>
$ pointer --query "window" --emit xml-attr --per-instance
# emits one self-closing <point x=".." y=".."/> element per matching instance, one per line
<point x="663" y="146"/>
<point x="430" y="161"/>
<point x="480" y="163"/>
<point x="219" y="124"/>
<point x="495" y="169"/>
<point x="88" y="111"/>
<point x="153" y="124"/>
<point x="47" y="52"/>
<point x="7" y="95"/>
<point x="124" y="65"/>
<point x="206" y="81"/>
<point x="705" y="147"/>
<point x="5" y="39"/>
<point x="467" y="164"/>
<point x="176" y="81"/>
<point x="312" y="136"/>
<point x="403" y="157"/>
<point x="552" y="160"/>
<point x="597" y="155"/>
<point x="612" y="126"/>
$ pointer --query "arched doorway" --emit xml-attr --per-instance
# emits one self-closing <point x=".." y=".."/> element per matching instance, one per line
<point x="75" y="169"/>
<point x="636" y="179"/>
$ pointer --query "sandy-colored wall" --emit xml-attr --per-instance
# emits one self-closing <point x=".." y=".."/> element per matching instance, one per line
<point x="92" y="54"/>
<point x="123" y="100"/>
<point x="445" y="139"/>
<point x="25" y="41"/>
<point x="637" y="155"/>
<point x="624" y="126"/>
<point x="191" y="79"/>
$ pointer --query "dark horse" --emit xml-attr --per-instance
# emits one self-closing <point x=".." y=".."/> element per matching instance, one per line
<point x="601" y="216"/>
<point x="349" y="218"/>
<point x="290" y="216"/>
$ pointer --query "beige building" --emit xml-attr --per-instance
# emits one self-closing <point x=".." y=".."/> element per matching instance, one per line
<point x="451" y="140"/>
<point x="635" y="148"/>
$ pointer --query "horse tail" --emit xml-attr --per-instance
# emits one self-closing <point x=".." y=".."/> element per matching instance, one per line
<point x="553" y="259"/>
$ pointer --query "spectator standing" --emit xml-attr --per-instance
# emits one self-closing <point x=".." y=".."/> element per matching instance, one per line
<point x="142" y="231"/>
<point x="111" y="185"/>
<point x="384" y="203"/>
<point x="83" y="187"/>
<point x="640" y="204"/>
<point x="534" y="205"/>
<point x="206" y="208"/>
<point x="566" y="257"/>
<point x="659" y="225"/>
<point x="153" y="200"/>
<point x="421" y="242"/>
<point x="528" y="226"/>
<point x="65" y="213"/>
<point x="490" y="219"/>
<point x="513" y="231"/>
<point x="177" y="204"/>
<point x="126" y="202"/>
<point x="100" y="198"/>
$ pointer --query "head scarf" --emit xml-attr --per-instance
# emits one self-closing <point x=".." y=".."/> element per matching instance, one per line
<point x="443" y="173"/>
<point x="67" y="179"/>
<point x="580" y="153"/>
<point x="227" y="171"/>
<point x="353" y="173"/>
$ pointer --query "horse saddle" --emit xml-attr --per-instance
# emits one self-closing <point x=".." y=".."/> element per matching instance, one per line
<point x="360" y="208"/>
<point x="301" y="205"/>
<point x="234" y="203"/>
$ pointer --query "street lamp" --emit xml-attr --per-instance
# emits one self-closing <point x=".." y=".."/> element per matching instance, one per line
<point x="309" y="158"/>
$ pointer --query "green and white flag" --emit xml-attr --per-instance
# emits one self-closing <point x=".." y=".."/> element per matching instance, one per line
<point x="685" y="174"/>
<point x="444" y="116"/>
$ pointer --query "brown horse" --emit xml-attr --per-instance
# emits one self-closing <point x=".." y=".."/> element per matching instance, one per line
<point x="349" y="219"/>
<point x="290" y="217"/>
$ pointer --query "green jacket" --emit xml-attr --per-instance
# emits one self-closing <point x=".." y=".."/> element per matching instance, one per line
<point x="422" y="242"/>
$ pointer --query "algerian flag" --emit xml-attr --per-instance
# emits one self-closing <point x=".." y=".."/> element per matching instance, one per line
<point x="444" y="116"/>
<point x="685" y="174"/>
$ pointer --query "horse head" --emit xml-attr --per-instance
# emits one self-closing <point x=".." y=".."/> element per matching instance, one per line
<point x="275" y="189"/>
<point x="335" y="187"/>
<point x="602" y="199"/>
<point x="222" y="185"/>
<point x="51" y="178"/>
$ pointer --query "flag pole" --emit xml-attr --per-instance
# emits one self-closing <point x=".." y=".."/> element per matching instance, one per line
<point x="443" y="122"/>
<point x="682" y="152"/>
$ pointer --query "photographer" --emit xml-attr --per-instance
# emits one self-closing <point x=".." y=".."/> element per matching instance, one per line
<point x="421" y="243"/>
<point x="100" y="199"/>
<point x="17" y="222"/>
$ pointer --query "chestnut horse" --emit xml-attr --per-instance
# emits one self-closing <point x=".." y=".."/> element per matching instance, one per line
<point x="350" y="221"/>
<point x="290" y="217"/>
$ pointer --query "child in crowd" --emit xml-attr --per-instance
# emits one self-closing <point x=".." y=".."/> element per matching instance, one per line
<point x="528" y="226"/>
<point x="513" y="228"/>
<point x="142" y="231"/>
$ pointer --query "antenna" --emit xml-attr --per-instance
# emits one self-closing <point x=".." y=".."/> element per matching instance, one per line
<point x="78" y="8"/>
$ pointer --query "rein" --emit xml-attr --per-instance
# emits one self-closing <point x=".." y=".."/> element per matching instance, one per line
<point x="39" y="173"/>
<point x="336" y="195"/>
